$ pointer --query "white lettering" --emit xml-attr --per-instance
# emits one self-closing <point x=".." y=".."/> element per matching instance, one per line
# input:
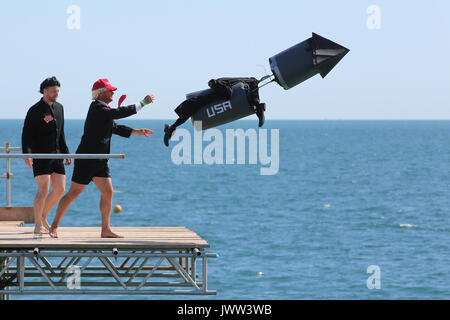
<point x="374" y="281"/>
<point x="74" y="20"/>
<point x="374" y="20"/>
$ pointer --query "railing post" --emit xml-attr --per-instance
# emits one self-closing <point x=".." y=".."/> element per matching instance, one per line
<point x="20" y="273"/>
<point x="3" y="262"/>
<point x="8" y="177"/>
<point x="205" y="273"/>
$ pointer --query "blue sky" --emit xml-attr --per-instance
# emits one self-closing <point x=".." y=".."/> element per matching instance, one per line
<point x="171" y="48"/>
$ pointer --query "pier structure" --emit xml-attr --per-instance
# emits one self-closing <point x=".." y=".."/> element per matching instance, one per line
<point x="149" y="260"/>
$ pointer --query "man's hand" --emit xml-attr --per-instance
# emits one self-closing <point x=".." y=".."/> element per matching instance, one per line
<point x="29" y="162"/>
<point x="68" y="162"/>
<point x="149" y="98"/>
<point x="142" y="132"/>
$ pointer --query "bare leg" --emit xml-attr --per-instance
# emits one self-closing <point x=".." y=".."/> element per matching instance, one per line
<point x="43" y="183"/>
<point x="58" y="187"/>
<point x="72" y="194"/>
<point x="106" y="189"/>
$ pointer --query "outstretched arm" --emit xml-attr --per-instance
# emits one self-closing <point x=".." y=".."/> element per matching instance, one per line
<point x="126" y="131"/>
<point x="118" y="113"/>
<point x="142" y="132"/>
<point x="122" y="130"/>
<point x="126" y="111"/>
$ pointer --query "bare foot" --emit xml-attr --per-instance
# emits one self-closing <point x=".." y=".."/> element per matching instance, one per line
<point x="45" y="224"/>
<point x="40" y="230"/>
<point x="110" y="234"/>
<point x="53" y="233"/>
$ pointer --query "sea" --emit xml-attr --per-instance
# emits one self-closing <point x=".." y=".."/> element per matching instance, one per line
<point x="357" y="209"/>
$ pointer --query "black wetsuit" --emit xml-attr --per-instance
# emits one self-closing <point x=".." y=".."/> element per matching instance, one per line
<point x="43" y="132"/>
<point x="221" y="88"/>
<point x="98" y="129"/>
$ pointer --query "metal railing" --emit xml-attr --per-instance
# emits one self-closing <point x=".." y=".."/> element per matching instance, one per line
<point x="8" y="156"/>
<point x="8" y="175"/>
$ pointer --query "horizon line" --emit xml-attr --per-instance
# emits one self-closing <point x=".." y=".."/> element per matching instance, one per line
<point x="283" y="119"/>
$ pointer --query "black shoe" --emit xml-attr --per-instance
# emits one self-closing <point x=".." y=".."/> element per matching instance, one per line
<point x="260" y="108"/>
<point x="168" y="133"/>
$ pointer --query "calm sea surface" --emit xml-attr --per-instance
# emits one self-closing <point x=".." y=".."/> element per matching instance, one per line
<point x="347" y="195"/>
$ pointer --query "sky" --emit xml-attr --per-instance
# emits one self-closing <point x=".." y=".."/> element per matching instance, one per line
<point x="397" y="67"/>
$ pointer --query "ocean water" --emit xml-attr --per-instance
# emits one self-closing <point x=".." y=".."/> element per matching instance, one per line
<point x="348" y="195"/>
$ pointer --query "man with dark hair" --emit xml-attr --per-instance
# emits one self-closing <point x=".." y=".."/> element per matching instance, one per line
<point x="98" y="129"/>
<point x="43" y="132"/>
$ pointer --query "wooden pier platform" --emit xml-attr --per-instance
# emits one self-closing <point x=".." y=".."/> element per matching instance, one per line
<point x="12" y="236"/>
<point x="145" y="261"/>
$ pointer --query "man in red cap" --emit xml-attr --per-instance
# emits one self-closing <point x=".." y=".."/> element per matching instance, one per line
<point x="98" y="129"/>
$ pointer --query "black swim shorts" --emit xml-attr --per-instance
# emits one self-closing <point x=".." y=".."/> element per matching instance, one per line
<point x="85" y="169"/>
<point x="48" y="166"/>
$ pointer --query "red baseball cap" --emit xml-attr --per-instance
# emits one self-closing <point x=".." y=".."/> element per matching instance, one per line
<point x="103" y="83"/>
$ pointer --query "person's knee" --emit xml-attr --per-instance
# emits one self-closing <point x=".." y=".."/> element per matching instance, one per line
<point x="105" y="187"/>
<point x="73" y="193"/>
<point x="42" y="192"/>
<point x="43" y="186"/>
<point x="58" y="184"/>
<point x="59" y="190"/>
<point x="108" y="192"/>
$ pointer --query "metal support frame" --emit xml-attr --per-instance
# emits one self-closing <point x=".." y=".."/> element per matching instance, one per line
<point x="23" y="271"/>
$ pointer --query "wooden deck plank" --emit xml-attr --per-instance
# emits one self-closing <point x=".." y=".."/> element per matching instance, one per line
<point x="11" y="223"/>
<point x="89" y="238"/>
